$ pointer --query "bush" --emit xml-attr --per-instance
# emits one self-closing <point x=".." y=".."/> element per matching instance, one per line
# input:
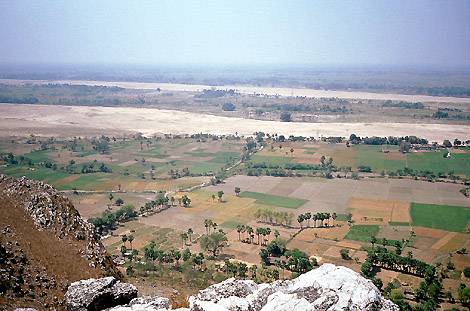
<point x="286" y="117"/>
<point x="364" y="169"/>
<point x="345" y="254"/>
<point x="466" y="272"/>
<point x="228" y="107"/>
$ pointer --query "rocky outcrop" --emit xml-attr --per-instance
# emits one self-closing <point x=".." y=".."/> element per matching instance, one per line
<point x="44" y="246"/>
<point x="147" y="304"/>
<point x="55" y="213"/>
<point x="327" y="288"/>
<point x="98" y="294"/>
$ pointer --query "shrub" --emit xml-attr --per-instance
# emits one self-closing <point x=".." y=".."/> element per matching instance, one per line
<point x="228" y="107"/>
<point x="286" y="117"/>
<point x="345" y="254"/>
<point x="466" y="272"/>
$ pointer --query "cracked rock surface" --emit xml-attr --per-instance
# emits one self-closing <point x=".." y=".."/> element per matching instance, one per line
<point x="326" y="288"/>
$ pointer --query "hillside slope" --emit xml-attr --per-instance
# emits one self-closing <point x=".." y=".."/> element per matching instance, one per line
<point x="44" y="246"/>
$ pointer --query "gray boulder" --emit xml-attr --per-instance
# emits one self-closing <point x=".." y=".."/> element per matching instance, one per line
<point x="98" y="294"/>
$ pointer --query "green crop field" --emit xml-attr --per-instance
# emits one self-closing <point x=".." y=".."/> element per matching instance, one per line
<point x="38" y="156"/>
<point x="269" y="159"/>
<point x="372" y="156"/>
<point x="362" y="233"/>
<point x="84" y="182"/>
<point x="274" y="200"/>
<point x="445" y="217"/>
<point x="39" y="173"/>
<point x="435" y="162"/>
<point x="459" y="163"/>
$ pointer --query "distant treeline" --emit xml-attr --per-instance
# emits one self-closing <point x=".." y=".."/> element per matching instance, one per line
<point x="64" y="94"/>
<point x="402" y="104"/>
<point x="391" y="140"/>
<point x="216" y="93"/>
<point x="8" y="99"/>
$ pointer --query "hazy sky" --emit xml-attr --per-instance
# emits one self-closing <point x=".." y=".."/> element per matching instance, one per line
<point x="236" y="32"/>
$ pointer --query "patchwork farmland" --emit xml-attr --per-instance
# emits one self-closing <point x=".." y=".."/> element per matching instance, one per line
<point x="280" y="187"/>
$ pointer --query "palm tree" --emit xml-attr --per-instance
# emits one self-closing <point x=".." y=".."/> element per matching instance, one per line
<point x="314" y="218"/>
<point x="130" y="238"/>
<point x="190" y="233"/>
<point x="267" y="232"/>
<point x="110" y="197"/>
<point x="250" y="231"/>
<point x="300" y="219"/>
<point x="213" y="197"/>
<point x="214" y="225"/>
<point x="208" y="224"/>
<point x="239" y="230"/>
<point x="220" y="194"/>
<point x="244" y="228"/>
<point x="334" y="216"/>
<point x="308" y="216"/>
<point x="259" y="231"/>
<point x="172" y="199"/>
<point x="320" y="217"/>
<point x="124" y="239"/>
<point x="237" y="191"/>
<point x="276" y="234"/>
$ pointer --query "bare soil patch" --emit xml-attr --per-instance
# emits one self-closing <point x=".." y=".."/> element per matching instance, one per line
<point x="429" y="232"/>
<point x="81" y="120"/>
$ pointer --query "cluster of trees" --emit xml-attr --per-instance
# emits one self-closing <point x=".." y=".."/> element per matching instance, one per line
<point x="290" y="169"/>
<point x="292" y="260"/>
<point x="235" y="268"/>
<point x="172" y="256"/>
<point x="391" y="140"/>
<point x="402" y="104"/>
<point x="430" y="289"/>
<point x="176" y="173"/>
<point x="212" y="93"/>
<point x="214" y="242"/>
<point x="185" y="236"/>
<point x="274" y="217"/>
<point x="162" y="201"/>
<point x="440" y="114"/>
<point x="381" y="257"/>
<point x="12" y="99"/>
<point x="101" y="145"/>
<point x="293" y="107"/>
<point x="10" y="158"/>
<point x="429" y="175"/>
<point x="94" y="167"/>
<point x="108" y="219"/>
<point x="264" y="232"/>
<point x="321" y="217"/>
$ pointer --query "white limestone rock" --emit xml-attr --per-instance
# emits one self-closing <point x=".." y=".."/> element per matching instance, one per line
<point x="327" y="288"/>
